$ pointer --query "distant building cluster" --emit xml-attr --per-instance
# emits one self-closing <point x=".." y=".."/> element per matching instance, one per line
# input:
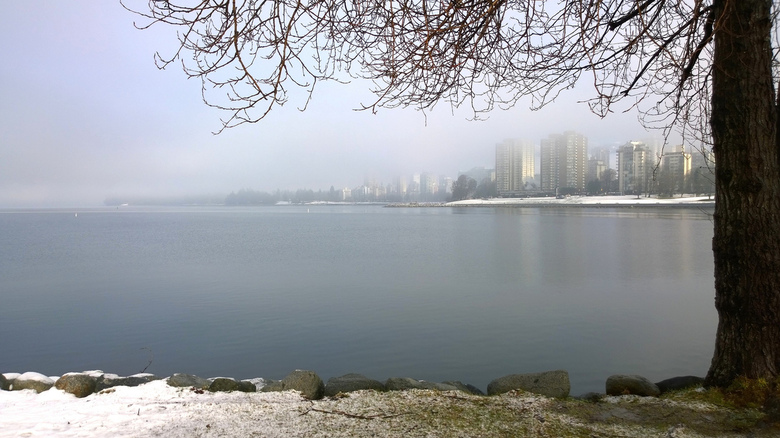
<point x="568" y="166"/>
<point x="423" y="186"/>
<point x="562" y="164"/>
<point x="565" y="163"/>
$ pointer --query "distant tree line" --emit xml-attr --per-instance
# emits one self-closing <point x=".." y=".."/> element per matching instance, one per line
<point x="700" y="181"/>
<point x="252" y="197"/>
<point x="466" y="187"/>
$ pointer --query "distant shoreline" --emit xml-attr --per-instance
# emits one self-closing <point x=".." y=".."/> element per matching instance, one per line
<point x="707" y="205"/>
<point x="574" y="201"/>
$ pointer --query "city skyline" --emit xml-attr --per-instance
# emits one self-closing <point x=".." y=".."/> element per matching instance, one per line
<point x="433" y="186"/>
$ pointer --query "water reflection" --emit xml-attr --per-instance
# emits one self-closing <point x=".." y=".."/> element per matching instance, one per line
<point x="436" y="293"/>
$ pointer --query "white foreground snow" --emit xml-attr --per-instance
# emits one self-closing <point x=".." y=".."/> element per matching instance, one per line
<point x="153" y="409"/>
<point x="157" y="410"/>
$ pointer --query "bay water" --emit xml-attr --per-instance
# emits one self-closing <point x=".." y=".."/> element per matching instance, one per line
<point x="467" y="294"/>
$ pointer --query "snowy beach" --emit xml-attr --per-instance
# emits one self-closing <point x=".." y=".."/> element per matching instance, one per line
<point x="157" y="409"/>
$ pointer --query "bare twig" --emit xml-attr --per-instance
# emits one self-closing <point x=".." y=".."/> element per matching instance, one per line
<point x="151" y="358"/>
<point x="350" y="415"/>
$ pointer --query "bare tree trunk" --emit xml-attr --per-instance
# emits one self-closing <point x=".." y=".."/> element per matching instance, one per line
<point x="746" y="244"/>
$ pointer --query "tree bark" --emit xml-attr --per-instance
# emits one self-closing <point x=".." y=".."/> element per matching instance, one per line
<point x="746" y="243"/>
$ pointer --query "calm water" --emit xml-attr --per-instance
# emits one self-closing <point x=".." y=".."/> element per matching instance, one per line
<point x="436" y="294"/>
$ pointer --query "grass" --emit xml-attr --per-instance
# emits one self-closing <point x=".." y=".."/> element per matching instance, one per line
<point x="424" y="413"/>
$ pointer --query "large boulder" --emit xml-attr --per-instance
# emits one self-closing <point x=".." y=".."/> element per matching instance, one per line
<point x="676" y="383"/>
<point x="350" y="383"/>
<point x="223" y="384"/>
<point x="188" y="381"/>
<point x="549" y="383"/>
<point x="404" y="383"/>
<point x="308" y="383"/>
<point x="4" y="383"/>
<point x="106" y="381"/>
<point x="246" y="386"/>
<point x="621" y="384"/>
<point x="31" y="380"/>
<point x="78" y="384"/>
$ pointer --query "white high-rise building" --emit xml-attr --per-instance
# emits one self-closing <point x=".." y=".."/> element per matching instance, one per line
<point x="635" y="167"/>
<point x="514" y="166"/>
<point x="564" y="159"/>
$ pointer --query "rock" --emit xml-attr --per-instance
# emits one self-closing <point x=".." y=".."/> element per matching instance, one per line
<point x="188" y="380"/>
<point x="404" y="383"/>
<point x="548" y="383"/>
<point x="470" y="389"/>
<point x="439" y="386"/>
<point x="272" y="386"/>
<point x="307" y="382"/>
<point x="35" y="381"/>
<point x="620" y="384"/>
<point x="111" y="380"/>
<point x="246" y="386"/>
<point x="676" y="383"/>
<point x="4" y="383"/>
<point x="80" y="385"/>
<point x="350" y="383"/>
<point x="223" y="384"/>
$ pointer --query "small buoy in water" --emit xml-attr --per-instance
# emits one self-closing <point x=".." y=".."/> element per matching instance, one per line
<point x="75" y="215"/>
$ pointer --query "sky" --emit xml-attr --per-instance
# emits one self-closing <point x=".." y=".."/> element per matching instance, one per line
<point x="86" y="115"/>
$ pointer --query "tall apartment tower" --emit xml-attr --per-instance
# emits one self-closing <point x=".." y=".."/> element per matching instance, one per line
<point x="635" y="166"/>
<point x="514" y="166"/>
<point x="678" y="165"/>
<point x="564" y="161"/>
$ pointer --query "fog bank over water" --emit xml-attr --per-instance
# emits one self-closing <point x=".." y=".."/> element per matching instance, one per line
<point x="86" y="115"/>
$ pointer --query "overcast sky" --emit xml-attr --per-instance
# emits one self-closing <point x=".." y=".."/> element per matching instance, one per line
<point x="86" y="115"/>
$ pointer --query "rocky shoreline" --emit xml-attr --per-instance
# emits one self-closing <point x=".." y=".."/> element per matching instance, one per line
<point x="554" y="384"/>
<point x="98" y="404"/>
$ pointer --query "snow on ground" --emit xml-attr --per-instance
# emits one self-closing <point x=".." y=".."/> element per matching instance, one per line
<point x="152" y="409"/>
<point x="588" y="200"/>
<point x="155" y="409"/>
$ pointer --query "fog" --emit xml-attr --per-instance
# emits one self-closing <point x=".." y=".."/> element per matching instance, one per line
<point x="86" y="115"/>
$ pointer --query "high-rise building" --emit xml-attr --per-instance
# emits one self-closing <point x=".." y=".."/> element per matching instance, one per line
<point x="596" y="169"/>
<point x="678" y="165"/>
<point x="429" y="185"/>
<point x="514" y="166"/>
<point x="564" y="160"/>
<point x="402" y="185"/>
<point x="635" y="167"/>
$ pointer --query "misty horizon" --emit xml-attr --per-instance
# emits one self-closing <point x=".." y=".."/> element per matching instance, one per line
<point x="86" y="115"/>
